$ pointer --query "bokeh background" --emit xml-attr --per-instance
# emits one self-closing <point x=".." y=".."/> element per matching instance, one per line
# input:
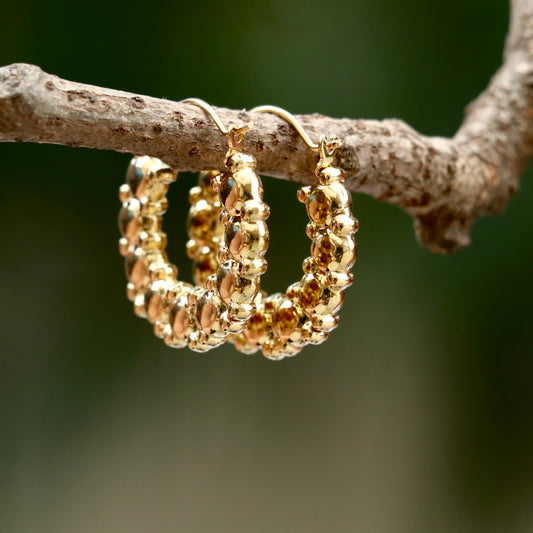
<point x="416" y="415"/>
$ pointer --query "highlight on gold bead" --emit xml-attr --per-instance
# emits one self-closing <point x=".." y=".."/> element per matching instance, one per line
<point x="307" y="312"/>
<point x="228" y="254"/>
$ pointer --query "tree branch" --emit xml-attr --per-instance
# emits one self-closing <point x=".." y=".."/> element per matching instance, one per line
<point x="445" y="184"/>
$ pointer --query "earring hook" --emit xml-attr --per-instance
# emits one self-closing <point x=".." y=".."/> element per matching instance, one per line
<point x="234" y="134"/>
<point x="327" y="145"/>
<point x="291" y="119"/>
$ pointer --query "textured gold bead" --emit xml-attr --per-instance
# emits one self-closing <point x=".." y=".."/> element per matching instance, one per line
<point x="128" y="219"/>
<point x="173" y="341"/>
<point x="344" y="225"/>
<point x="162" y="271"/>
<point x="123" y="246"/>
<point x="252" y="267"/>
<point x="180" y="319"/>
<point x="131" y="291"/>
<point x="325" y="323"/>
<point x="312" y="335"/>
<point x="136" y="268"/>
<point x="286" y="320"/>
<point x="139" y="307"/>
<point x="124" y="193"/>
<point x="310" y="292"/>
<point x="339" y="280"/>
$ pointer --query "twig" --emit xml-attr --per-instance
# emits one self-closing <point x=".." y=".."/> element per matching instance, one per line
<point x="445" y="184"/>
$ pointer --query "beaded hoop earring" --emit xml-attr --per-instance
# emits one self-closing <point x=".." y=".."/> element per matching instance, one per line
<point x="305" y="314"/>
<point x="201" y="317"/>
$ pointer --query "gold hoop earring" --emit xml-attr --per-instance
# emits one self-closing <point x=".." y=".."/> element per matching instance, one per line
<point x="284" y="323"/>
<point x="203" y="316"/>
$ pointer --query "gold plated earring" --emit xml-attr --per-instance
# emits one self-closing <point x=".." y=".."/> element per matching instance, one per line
<point x="203" y="316"/>
<point x="308" y="310"/>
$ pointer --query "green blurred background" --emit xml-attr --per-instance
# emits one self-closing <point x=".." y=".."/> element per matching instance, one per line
<point x="416" y="415"/>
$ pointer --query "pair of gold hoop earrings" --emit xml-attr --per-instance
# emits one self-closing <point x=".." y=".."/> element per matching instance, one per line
<point x="228" y="239"/>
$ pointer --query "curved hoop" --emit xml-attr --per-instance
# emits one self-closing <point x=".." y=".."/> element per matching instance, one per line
<point x="308" y="310"/>
<point x="203" y="316"/>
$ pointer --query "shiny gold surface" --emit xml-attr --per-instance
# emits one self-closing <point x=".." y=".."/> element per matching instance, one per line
<point x="203" y="316"/>
<point x="308" y="310"/>
<point x="228" y="238"/>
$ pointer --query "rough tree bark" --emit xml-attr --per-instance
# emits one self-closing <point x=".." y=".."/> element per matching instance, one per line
<point x="445" y="184"/>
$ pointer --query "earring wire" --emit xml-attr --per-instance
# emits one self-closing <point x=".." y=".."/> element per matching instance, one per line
<point x="291" y="119"/>
<point x="234" y="134"/>
<point x="209" y="110"/>
<point x="326" y="146"/>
